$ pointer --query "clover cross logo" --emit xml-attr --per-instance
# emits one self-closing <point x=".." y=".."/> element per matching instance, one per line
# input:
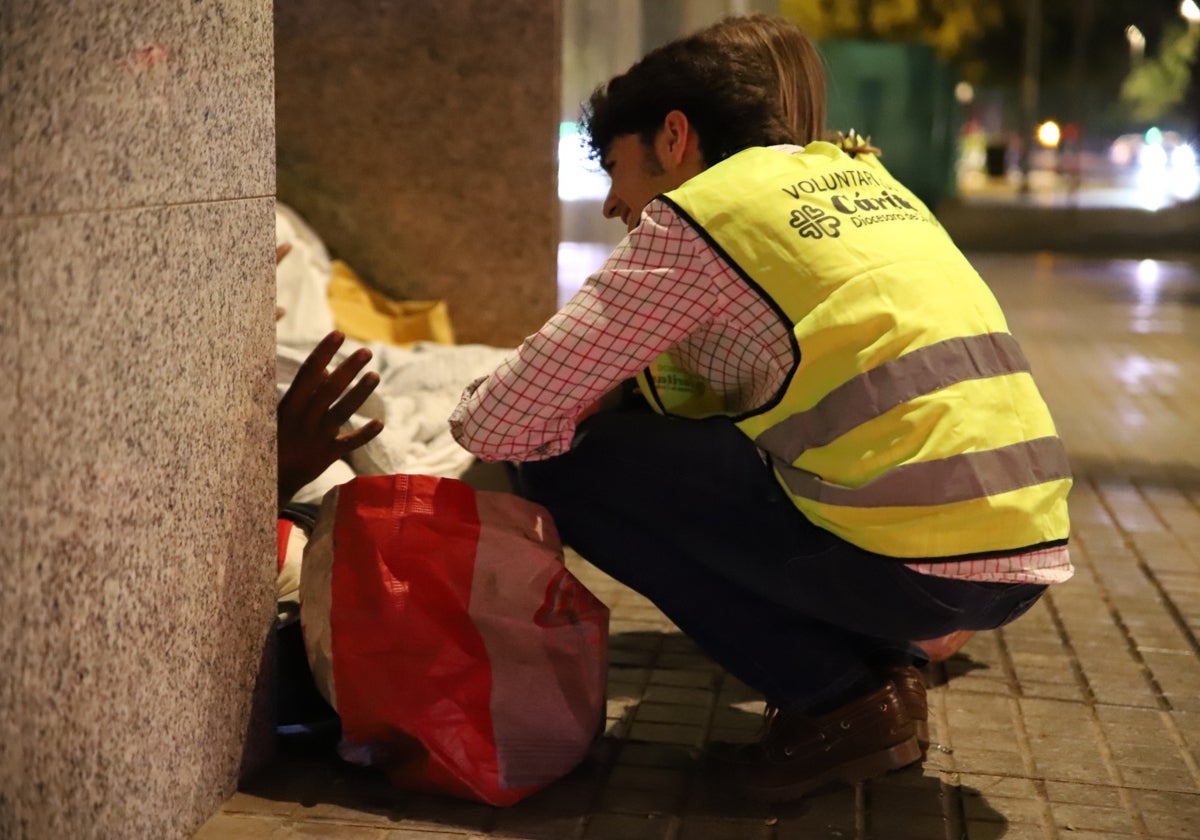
<point x="814" y="223"/>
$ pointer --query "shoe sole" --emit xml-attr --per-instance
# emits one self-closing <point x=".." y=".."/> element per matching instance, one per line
<point x="852" y="772"/>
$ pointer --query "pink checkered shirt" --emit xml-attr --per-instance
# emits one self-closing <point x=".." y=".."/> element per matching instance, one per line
<point x="663" y="288"/>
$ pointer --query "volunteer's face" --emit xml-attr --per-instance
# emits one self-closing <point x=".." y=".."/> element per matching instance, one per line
<point x="637" y="176"/>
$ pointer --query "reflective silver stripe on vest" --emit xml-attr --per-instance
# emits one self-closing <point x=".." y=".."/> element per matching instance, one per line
<point x="971" y="475"/>
<point x="874" y="392"/>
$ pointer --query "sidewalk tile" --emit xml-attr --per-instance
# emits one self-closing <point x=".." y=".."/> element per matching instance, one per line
<point x="516" y="823"/>
<point x="748" y="716"/>
<point x="658" y="801"/>
<point x="570" y="797"/>
<point x="657" y="755"/>
<point x="705" y="828"/>
<point x="1019" y="831"/>
<point x="989" y="761"/>
<point x="830" y="814"/>
<point x="667" y="733"/>
<point x="1157" y="778"/>
<point x="922" y="801"/>
<point x="1050" y="690"/>
<point x="705" y="678"/>
<point x="625" y="827"/>
<point x="681" y="696"/>
<point x="248" y="803"/>
<point x="733" y="734"/>
<point x="646" y="778"/>
<point x="1160" y="752"/>
<point x="240" y="827"/>
<point x="441" y="813"/>
<point x="905" y="827"/>
<point x="692" y="716"/>
<point x="1001" y="809"/>
<point x="334" y="831"/>
<point x="989" y="786"/>
<point x="1091" y="818"/>
<point x="1180" y="823"/>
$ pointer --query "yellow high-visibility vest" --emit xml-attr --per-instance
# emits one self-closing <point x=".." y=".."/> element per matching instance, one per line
<point x="910" y="424"/>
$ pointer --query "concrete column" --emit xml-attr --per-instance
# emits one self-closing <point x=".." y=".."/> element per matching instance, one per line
<point x="136" y="409"/>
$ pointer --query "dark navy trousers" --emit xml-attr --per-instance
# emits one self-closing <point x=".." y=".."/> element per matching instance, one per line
<point x="687" y="513"/>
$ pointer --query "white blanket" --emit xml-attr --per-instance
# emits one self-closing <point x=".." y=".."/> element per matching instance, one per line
<point x="418" y="387"/>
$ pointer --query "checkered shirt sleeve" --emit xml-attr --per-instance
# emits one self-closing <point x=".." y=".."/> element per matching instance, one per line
<point x="656" y="289"/>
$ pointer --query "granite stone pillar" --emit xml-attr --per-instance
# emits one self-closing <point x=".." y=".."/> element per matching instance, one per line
<point x="136" y="409"/>
<point x="419" y="139"/>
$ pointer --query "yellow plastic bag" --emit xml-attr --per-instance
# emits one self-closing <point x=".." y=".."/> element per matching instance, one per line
<point x="364" y="314"/>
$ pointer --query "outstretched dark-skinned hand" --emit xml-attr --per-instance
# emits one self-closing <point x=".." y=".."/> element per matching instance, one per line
<point x="313" y="410"/>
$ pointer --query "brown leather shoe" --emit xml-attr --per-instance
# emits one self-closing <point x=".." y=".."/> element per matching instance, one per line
<point x="865" y="738"/>
<point x="910" y="685"/>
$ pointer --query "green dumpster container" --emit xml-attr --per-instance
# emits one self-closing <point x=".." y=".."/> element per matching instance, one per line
<point x="902" y="96"/>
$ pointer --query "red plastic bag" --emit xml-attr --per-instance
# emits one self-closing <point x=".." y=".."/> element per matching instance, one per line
<point x="440" y="623"/>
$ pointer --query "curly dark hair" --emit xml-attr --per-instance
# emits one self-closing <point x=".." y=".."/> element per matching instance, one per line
<point x="729" y="93"/>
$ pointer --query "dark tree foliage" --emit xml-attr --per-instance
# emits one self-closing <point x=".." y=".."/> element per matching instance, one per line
<point x="1094" y="27"/>
<point x="1082" y="64"/>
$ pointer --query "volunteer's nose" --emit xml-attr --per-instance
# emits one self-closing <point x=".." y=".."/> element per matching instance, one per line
<point x="613" y="206"/>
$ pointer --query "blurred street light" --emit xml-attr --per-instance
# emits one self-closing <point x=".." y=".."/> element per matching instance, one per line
<point x="1049" y="134"/>
<point x="1190" y="12"/>
<point x="1137" y="44"/>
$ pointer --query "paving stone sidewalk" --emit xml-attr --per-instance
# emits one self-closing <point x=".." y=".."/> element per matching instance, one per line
<point x="1081" y="720"/>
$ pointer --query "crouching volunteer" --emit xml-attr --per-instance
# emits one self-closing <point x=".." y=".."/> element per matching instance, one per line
<point x="847" y="449"/>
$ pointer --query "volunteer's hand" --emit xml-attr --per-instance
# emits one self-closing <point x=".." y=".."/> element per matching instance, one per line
<point x="311" y="415"/>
